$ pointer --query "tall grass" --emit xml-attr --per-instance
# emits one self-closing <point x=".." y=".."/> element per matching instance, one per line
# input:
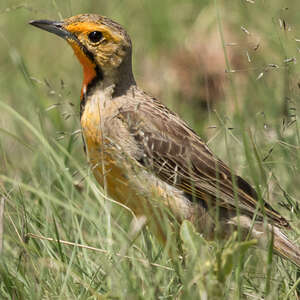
<point x="63" y="237"/>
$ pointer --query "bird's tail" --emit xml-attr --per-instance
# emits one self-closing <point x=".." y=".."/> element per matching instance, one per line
<point x="285" y="248"/>
<point x="281" y="244"/>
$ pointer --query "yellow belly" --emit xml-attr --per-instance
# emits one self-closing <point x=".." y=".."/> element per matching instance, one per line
<point x="109" y="173"/>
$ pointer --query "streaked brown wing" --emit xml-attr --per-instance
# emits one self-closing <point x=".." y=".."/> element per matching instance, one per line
<point x="177" y="155"/>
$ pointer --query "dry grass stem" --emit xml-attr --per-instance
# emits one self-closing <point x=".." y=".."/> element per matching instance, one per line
<point x="145" y="262"/>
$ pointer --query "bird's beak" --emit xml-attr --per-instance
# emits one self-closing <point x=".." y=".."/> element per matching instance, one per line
<point x="55" y="27"/>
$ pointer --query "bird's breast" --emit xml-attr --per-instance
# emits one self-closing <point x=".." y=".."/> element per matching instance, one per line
<point x="103" y="152"/>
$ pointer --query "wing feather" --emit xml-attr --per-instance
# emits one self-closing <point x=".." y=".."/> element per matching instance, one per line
<point x="177" y="155"/>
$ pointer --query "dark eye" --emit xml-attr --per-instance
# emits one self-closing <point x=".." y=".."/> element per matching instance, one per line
<point x="95" y="36"/>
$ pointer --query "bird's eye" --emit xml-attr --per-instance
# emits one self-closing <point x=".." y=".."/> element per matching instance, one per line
<point x="95" y="36"/>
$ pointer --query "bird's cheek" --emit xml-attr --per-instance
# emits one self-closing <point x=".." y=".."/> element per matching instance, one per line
<point x="116" y="61"/>
<point x="108" y="57"/>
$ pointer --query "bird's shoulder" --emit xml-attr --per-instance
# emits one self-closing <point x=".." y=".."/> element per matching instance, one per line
<point x="148" y="119"/>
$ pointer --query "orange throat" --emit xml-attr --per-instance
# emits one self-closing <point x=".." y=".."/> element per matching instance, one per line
<point x="89" y="67"/>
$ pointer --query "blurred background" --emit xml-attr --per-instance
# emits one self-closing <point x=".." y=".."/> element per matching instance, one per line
<point x="229" y="68"/>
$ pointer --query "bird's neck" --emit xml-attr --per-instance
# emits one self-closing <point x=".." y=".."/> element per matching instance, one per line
<point x="123" y="78"/>
<point x="112" y="82"/>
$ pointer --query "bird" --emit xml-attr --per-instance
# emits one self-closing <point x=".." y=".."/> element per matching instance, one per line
<point x="146" y="157"/>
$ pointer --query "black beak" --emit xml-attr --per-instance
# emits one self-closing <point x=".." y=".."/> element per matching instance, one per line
<point x="55" y="27"/>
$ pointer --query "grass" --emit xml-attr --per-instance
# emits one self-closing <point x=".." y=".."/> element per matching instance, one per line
<point x="51" y="197"/>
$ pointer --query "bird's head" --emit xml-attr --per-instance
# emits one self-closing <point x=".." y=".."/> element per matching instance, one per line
<point x="101" y="45"/>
